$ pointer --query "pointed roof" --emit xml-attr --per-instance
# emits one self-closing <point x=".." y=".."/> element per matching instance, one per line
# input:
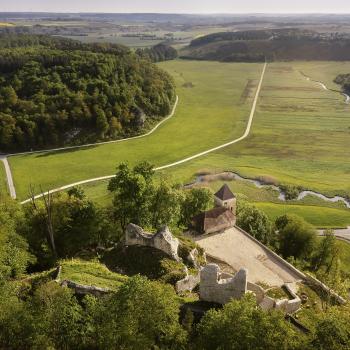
<point x="224" y="193"/>
<point x="213" y="218"/>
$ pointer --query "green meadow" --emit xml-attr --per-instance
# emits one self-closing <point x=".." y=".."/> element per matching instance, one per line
<point x="319" y="213"/>
<point x="300" y="136"/>
<point x="210" y="112"/>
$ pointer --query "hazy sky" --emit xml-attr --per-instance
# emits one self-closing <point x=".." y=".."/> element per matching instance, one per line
<point x="178" y="6"/>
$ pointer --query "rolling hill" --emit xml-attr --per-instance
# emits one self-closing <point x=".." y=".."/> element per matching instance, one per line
<point x="272" y="45"/>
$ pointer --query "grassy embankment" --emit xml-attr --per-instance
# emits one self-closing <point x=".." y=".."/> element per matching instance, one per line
<point x="90" y="273"/>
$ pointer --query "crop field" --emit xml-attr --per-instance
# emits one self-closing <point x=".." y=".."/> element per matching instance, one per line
<point x="300" y="134"/>
<point x="209" y="113"/>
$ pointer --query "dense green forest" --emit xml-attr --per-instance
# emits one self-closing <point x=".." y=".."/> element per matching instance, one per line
<point x="57" y="92"/>
<point x="141" y="309"/>
<point x="158" y="53"/>
<point x="344" y="81"/>
<point x="272" y="45"/>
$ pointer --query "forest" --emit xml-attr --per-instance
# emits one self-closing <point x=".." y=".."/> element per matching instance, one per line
<point x="272" y="45"/>
<point x="58" y="92"/>
<point x="37" y="311"/>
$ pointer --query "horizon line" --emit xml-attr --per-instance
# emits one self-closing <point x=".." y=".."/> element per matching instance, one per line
<point x="183" y="13"/>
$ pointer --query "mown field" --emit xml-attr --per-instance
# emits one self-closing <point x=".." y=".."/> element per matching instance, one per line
<point x="210" y="112"/>
<point x="300" y="134"/>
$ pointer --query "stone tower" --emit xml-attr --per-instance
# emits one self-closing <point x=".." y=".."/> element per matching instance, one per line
<point x="226" y="199"/>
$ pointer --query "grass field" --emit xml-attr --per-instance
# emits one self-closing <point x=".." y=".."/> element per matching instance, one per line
<point x="209" y="113"/>
<point x="300" y="134"/>
<point x="91" y="274"/>
<point x="314" y="210"/>
<point x="321" y="217"/>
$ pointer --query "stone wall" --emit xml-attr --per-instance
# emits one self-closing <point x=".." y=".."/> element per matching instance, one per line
<point x="314" y="282"/>
<point x="214" y="289"/>
<point x="84" y="290"/>
<point x="163" y="240"/>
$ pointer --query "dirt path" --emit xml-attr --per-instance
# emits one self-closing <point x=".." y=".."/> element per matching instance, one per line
<point x="343" y="233"/>
<point x="239" y="250"/>
<point x="9" y="178"/>
<point x="246" y="133"/>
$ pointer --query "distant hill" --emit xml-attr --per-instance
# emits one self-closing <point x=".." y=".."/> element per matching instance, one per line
<point x="272" y="45"/>
<point x="57" y="92"/>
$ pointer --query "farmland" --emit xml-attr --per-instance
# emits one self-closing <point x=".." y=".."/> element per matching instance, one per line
<point x="209" y="113"/>
<point x="299" y="136"/>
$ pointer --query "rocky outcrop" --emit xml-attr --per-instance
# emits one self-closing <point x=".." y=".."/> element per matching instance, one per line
<point x="214" y="289"/>
<point x="163" y="240"/>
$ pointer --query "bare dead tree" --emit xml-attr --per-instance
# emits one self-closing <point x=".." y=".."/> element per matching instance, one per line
<point x="48" y="218"/>
<point x="32" y="196"/>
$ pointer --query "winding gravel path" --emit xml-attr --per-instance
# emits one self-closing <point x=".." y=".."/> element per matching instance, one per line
<point x="246" y="133"/>
<point x="104" y="142"/>
<point x="9" y="178"/>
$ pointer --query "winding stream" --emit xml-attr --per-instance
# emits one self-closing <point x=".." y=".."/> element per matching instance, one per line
<point x="347" y="97"/>
<point x="229" y="175"/>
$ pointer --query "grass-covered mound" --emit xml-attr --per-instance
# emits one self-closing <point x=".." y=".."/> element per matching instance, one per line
<point x="145" y="261"/>
<point x="57" y="92"/>
<point x="91" y="273"/>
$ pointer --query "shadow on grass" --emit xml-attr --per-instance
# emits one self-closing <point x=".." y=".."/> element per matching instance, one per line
<point x="69" y="150"/>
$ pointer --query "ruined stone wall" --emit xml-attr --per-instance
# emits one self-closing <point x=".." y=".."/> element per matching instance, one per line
<point x="163" y="240"/>
<point x="214" y="289"/>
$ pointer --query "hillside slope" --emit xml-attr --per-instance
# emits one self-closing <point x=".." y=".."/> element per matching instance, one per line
<point x="272" y="45"/>
<point x="57" y="92"/>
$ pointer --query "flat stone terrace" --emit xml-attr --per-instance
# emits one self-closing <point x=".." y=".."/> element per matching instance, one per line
<point x="239" y="250"/>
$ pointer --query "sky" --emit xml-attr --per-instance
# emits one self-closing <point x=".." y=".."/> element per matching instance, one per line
<point x="178" y="6"/>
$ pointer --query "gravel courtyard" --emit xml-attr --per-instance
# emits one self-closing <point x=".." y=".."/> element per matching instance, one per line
<point x="239" y="250"/>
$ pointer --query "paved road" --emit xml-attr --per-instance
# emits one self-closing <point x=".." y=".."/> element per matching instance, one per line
<point x="9" y="178"/>
<point x="246" y="133"/>
<point x="343" y="234"/>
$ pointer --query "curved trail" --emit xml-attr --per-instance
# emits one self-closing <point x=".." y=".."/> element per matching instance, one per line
<point x="104" y="142"/>
<point x="246" y="133"/>
<point x="9" y="178"/>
